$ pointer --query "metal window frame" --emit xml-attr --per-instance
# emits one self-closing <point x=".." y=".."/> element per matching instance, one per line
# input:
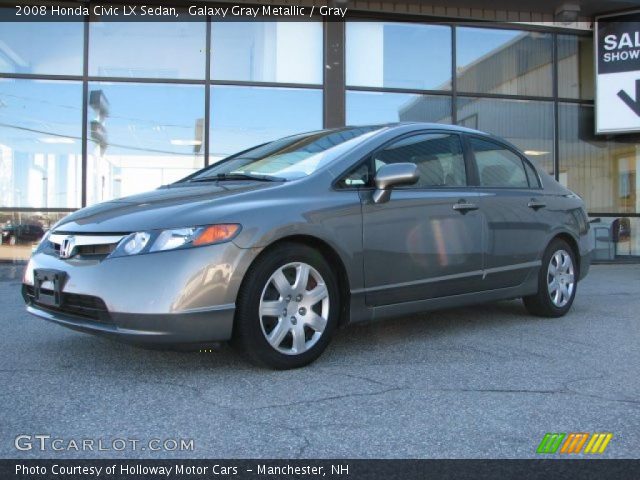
<point x="36" y="210"/>
<point x="207" y="90"/>
<point x="85" y="113"/>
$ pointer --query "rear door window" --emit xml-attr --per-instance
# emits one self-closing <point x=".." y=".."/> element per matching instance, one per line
<point x="532" y="175"/>
<point x="497" y="165"/>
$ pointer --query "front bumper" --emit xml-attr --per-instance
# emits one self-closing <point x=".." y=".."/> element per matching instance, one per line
<point x="204" y="327"/>
<point x="175" y="297"/>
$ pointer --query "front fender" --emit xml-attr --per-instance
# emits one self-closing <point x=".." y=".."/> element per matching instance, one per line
<point x="335" y="219"/>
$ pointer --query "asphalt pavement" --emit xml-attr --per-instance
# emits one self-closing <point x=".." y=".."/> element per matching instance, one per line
<point x="480" y="382"/>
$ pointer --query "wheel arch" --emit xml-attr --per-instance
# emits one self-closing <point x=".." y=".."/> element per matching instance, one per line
<point x="331" y="256"/>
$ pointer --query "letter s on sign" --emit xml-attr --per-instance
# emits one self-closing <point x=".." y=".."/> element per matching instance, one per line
<point x="20" y="445"/>
<point x="610" y="42"/>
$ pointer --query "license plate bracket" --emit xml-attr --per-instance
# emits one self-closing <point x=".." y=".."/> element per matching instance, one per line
<point x="48" y="285"/>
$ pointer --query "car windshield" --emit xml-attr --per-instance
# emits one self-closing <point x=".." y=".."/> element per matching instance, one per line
<point x="288" y="158"/>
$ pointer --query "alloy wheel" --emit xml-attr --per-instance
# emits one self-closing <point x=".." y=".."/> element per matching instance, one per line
<point x="560" y="278"/>
<point x="294" y="308"/>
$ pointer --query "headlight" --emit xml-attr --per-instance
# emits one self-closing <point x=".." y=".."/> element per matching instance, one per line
<point x="162" y="240"/>
<point x="135" y="243"/>
<point x="170" y="239"/>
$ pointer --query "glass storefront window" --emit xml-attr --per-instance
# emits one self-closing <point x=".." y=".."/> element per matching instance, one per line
<point x="527" y="124"/>
<point x="242" y="117"/>
<point x="40" y="143"/>
<point x="575" y="67"/>
<point x="51" y="48"/>
<point x="20" y="232"/>
<point x="142" y="136"/>
<point x="603" y="171"/>
<point x="508" y="62"/>
<point x="398" y="55"/>
<point x="614" y="237"/>
<point x="365" y="108"/>
<point x="288" y="52"/>
<point x="147" y="49"/>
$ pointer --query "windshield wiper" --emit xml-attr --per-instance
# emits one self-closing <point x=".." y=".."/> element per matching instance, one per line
<point x="238" y="176"/>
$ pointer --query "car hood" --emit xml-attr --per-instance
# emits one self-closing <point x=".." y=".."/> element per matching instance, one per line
<point x="166" y="207"/>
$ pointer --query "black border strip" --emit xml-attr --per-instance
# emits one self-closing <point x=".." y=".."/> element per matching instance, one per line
<point x="547" y="468"/>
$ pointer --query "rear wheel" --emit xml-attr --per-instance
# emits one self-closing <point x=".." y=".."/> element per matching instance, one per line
<point x="557" y="282"/>
<point x="287" y="307"/>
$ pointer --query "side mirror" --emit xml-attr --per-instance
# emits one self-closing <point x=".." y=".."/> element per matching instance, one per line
<point x="393" y="175"/>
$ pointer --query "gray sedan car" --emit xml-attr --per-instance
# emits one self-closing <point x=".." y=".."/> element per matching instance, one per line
<point x="275" y="247"/>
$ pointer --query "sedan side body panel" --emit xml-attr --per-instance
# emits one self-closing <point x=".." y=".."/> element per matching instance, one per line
<point x="417" y="246"/>
<point x="516" y="235"/>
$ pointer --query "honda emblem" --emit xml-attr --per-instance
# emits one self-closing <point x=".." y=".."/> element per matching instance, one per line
<point x="67" y="247"/>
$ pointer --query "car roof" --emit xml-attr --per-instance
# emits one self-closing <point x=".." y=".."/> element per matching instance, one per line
<point x="425" y="125"/>
<point x="441" y="126"/>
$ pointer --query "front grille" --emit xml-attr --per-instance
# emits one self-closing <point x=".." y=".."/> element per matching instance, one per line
<point x="83" y="306"/>
<point x="84" y="246"/>
<point x="101" y="250"/>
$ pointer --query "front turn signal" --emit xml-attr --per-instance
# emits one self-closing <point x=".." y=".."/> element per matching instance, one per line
<point x="216" y="234"/>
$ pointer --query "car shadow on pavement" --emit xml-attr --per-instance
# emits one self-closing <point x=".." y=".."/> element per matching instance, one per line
<point x="414" y="333"/>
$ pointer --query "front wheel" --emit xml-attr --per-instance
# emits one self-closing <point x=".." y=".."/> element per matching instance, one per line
<point x="557" y="282"/>
<point x="287" y="308"/>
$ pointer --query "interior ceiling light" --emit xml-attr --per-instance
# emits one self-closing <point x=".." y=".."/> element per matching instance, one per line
<point x="65" y="140"/>
<point x="535" y="153"/>
<point x="182" y="143"/>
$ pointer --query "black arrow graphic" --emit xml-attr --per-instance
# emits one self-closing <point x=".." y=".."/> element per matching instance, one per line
<point x="631" y="103"/>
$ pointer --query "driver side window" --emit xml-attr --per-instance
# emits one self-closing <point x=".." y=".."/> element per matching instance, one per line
<point x="359" y="176"/>
<point x="438" y="157"/>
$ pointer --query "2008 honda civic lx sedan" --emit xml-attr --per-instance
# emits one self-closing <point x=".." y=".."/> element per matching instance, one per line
<point x="275" y="247"/>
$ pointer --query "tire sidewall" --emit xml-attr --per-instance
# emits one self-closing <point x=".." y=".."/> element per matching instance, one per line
<point x="248" y="330"/>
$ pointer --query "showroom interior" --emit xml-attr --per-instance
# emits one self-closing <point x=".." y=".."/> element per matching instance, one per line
<point x="95" y="110"/>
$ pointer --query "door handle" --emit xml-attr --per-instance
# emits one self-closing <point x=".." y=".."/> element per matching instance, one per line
<point x="464" y="207"/>
<point x="535" y="204"/>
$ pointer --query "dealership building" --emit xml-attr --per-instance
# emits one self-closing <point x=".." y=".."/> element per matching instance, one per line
<point x="96" y="110"/>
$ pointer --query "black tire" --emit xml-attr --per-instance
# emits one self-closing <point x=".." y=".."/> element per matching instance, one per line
<point x="542" y="304"/>
<point x="249" y="333"/>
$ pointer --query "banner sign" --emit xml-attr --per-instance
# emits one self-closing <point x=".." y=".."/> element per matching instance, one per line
<point x="617" y="49"/>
